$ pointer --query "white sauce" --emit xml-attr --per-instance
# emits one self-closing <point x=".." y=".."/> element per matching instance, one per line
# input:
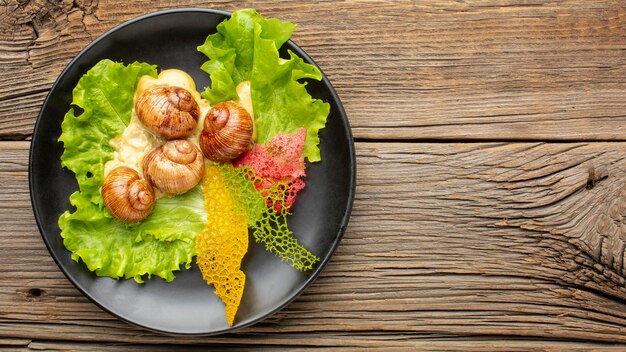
<point x="245" y="100"/>
<point x="131" y="146"/>
<point x="245" y="97"/>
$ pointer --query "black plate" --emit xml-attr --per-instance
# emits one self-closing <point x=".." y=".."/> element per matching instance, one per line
<point x="187" y="305"/>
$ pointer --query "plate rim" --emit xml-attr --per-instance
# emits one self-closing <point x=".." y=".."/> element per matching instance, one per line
<point x="320" y="266"/>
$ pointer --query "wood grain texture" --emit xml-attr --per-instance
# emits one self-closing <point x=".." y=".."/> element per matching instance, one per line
<point x="440" y="69"/>
<point x="450" y="246"/>
<point x="454" y="243"/>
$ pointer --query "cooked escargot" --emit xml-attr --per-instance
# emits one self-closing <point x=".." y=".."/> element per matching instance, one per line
<point x="175" y="167"/>
<point x="126" y="195"/>
<point x="227" y="132"/>
<point x="168" y="111"/>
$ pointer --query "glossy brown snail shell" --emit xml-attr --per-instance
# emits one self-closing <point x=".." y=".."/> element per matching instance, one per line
<point x="175" y="167"/>
<point x="168" y="111"/>
<point x="227" y="132"/>
<point x="127" y="196"/>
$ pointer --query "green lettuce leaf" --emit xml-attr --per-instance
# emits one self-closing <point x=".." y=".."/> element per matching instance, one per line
<point x="185" y="211"/>
<point x="245" y="48"/>
<point x="155" y="246"/>
<point x="110" y="248"/>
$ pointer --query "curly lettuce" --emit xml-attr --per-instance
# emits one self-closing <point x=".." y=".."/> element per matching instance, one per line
<point x="158" y="245"/>
<point x="245" y="48"/>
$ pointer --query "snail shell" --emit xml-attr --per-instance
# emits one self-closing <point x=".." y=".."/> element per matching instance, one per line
<point x="126" y="195"/>
<point x="168" y="111"/>
<point x="227" y="132"/>
<point x="175" y="167"/>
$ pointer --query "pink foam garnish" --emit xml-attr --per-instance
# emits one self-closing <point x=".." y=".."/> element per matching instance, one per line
<point x="280" y="162"/>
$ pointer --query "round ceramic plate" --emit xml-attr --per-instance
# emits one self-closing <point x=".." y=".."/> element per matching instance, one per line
<point x="187" y="305"/>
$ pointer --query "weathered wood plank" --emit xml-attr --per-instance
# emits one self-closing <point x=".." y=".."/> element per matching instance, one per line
<point x="4" y="343"/>
<point x="532" y="70"/>
<point x="521" y="240"/>
<point x="415" y="345"/>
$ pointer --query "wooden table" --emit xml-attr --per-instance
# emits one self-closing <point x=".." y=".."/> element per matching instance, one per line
<point x="490" y="210"/>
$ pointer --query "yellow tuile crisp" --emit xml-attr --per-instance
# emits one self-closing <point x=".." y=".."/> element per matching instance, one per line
<point x="224" y="242"/>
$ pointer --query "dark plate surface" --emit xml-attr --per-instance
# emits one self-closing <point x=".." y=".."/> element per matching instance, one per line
<point x="187" y="305"/>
